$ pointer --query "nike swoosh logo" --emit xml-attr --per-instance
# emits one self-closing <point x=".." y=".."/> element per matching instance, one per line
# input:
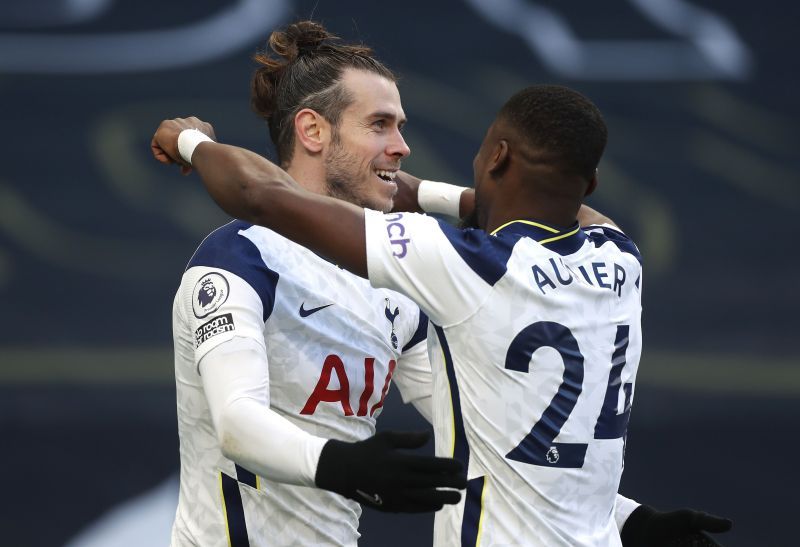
<point x="374" y="499"/>
<point x="306" y="312"/>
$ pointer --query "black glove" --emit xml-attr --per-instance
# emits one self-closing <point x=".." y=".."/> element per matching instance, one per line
<point x="374" y="473"/>
<point x="647" y="527"/>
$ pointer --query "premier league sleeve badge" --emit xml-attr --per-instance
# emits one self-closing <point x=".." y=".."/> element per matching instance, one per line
<point x="210" y="292"/>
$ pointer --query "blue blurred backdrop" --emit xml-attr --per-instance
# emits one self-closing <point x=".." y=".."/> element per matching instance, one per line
<point x="701" y="99"/>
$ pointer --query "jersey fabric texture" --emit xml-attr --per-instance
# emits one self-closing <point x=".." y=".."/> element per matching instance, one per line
<point x="534" y="343"/>
<point x="332" y="343"/>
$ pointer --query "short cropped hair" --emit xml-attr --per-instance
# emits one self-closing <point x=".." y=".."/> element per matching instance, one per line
<point x="560" y="123"/>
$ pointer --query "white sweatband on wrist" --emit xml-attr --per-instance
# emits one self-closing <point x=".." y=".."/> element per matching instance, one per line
<point x="439" y="197"/>
<point x="188" y="139"/>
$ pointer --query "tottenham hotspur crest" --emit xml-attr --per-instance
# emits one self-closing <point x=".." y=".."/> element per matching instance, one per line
<point x="391" y="316"/>
<point x="210" y="292"/>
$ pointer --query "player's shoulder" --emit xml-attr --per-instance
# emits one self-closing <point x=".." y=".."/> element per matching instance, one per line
<point x="218" y="245"/>
<point x="432" y="241"/>
<point x="611" y="238"/>
<point x="238" y="245"/>
<point x="234" y="248"/>
<point x="228" y="266"/>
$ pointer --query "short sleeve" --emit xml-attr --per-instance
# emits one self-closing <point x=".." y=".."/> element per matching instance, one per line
<point x="599" y="234"/>
<point x="446" y="271"/>
<point x="227" y="290"/>
<point x="218" y="305"/>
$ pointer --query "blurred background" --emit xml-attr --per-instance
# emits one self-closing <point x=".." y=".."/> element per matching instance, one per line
<point x="701" y="99"/>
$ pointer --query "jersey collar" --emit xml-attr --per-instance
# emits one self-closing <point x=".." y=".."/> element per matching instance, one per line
<point x="563" y="241"/>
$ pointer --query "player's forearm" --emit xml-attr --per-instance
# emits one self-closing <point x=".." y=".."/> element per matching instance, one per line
<point x="267" y="444"/>
<point x="586" y="215"/>
<point x="414" y="377"/>
<point x="416" y="195"/>
<point x="466" y="204"/>
<point x="425" y="408"/>
<point x="244" y="184"/>
<point x="236" y="385"/>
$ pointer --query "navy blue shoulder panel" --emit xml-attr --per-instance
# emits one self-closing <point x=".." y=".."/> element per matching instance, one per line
<point x="623" y="242"/>
<point x="420" y="334"/>
<point x="224" y="248"/>
<point x="486" y="255"/>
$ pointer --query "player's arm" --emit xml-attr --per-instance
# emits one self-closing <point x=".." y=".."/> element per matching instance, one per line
<point x="413" y="377"/>
<point x="414" y="380"/>
<point x="417" y="195"/>
<point x="252" y="188"/>
<point x="236" y="384"/>
<point x="232" y="361"/>
<point x="373" y="472"/>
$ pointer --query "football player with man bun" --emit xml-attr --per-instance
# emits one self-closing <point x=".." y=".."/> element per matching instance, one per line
<point x="282" y="358"/>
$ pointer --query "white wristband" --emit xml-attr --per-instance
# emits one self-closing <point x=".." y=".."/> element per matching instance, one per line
<point x="188" y="139"/>
<point x="439" y="197"/>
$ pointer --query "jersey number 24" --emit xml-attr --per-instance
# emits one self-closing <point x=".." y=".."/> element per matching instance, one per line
<point x="538" y="446"/>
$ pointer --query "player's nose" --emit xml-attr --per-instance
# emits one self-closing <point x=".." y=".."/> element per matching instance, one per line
<point x="397" y="146"/>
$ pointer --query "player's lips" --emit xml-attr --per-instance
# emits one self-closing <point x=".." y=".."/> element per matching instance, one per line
<point x="387" y="178"/>
<point x="386" y="174"/>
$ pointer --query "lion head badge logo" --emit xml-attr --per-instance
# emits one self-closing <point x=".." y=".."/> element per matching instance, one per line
<point x="210" y="292"/>
<point x="207" y="292"/>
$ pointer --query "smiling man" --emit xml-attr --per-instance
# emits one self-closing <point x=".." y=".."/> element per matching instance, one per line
<point x="283" y="359"/>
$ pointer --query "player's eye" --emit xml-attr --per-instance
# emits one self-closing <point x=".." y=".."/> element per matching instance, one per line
<point x="379" y="124"/>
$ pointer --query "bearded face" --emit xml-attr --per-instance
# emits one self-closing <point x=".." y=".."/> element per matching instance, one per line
<point x="347" y="177"/>
<point x="366" y="146"/>
<point x="351" y="175"/>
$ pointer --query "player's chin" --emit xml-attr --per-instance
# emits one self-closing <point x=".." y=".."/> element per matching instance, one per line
<point x="384" y="205"/>
<point x="383" y="198"/>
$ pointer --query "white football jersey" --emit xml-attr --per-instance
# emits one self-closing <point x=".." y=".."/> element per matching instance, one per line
<point x="534" y="343"/>
<point x="332" y="343"/>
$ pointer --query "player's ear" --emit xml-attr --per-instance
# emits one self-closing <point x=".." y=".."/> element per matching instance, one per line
<point x="592" y="184"/>
<point x="311" y="130"/>
<point x="498" y="161"/>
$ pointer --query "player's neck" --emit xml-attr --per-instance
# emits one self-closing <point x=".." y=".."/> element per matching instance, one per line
<point x="552" y="212"/>
<point x="309" y="176"/>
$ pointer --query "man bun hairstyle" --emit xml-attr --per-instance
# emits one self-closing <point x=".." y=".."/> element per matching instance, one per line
<point x="302" y="67"/>
<point x="561" y="124"/>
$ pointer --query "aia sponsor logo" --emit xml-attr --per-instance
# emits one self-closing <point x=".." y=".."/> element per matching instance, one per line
<point x="324" y="393"/>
